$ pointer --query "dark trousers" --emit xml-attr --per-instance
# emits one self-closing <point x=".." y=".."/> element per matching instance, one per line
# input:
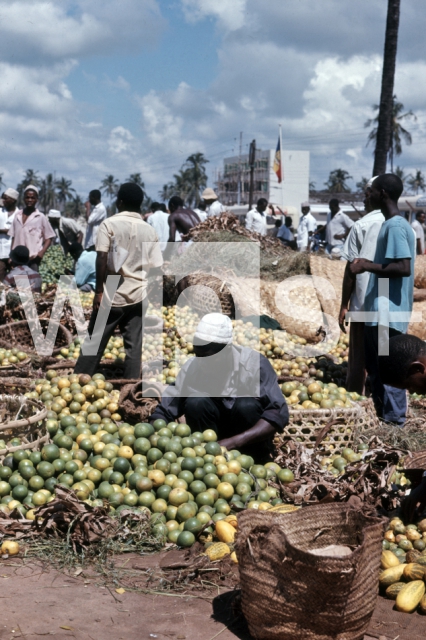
<point x="390" y="403"/>
<point x="129" y="319"/>
<point x="209" y="413"/>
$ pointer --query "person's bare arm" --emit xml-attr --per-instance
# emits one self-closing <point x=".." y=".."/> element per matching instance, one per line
<point x="396" y="269"/>
<point x="260" y="431"/>
<point x="87" y="206"/>
<point x="173" y="229"/>
<point x="80" y="237"/>
<point x="347" y="289"/>
<point x="101" y="276"/>
<point x="46" y="245"/>
<point x="418" y="247"/>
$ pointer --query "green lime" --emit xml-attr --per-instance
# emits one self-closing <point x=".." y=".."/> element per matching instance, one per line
<point x="194" y="525"/>
<point x="143" y="430"/>
<point x="285" y="475"/>
<point x="159" y="424"/>
<point x="185" y="539"/>
<point x="116" y="478"/>
<point x="141" y="445"/>
<point x="154" y="454"/>
<point x="115" y="499"/>
<point x="213" y="448"/>
<point x="146" y="499"/>
<point x="183" y="431"/>
<point x="122" y="465"/>
<point x="163" y="491"/>
<point x="50" y="452"/>
<point x="131" y="499"/>
<point x="45" y="470"/>
<point x="5" y="473"/>
<point x="50" y="484"/>
<point x="5" y="488"/>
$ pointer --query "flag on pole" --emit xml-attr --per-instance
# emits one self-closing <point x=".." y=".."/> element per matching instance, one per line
<point x="277" y="161"/>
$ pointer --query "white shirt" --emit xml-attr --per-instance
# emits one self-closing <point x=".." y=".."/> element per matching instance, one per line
<point x="307" y="225"/>
<point x="420" y="234"/>
<point x="338" y="225"/>
<point x="160" y="222"/>
<point x="5" y="240"/>
<point x="215" y="209"/>
<point x="361" y="243"/>
<point x="97" y="216"/>
<point x="201" y="214"/>
<point x="256" y="221"/>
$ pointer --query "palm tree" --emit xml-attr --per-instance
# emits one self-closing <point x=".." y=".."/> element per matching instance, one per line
<point x="397" y="130"/>
<point x="2" y="184"/>
<point x="75" y="207"/>
<point x="30" y="177"/>
<point x="336" y="182"/>
<point x="137" y="179"/>
<point x="64" y="190"/>
<point x="167" y="191"/>
<point x="399" y="171"/>
<point x="181" y="184"/>
<point x="110" y="186"/>
<point x="47" y="193"/>
<point x="383" y="135"/>
<point x="362" y="184"/>
<point x="417" y="182"/>
<point x="195" y="177"/>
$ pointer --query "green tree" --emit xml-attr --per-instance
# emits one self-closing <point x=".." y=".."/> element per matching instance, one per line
<point x="397" y="134"/>
<point x="194" y="177"/>
<point x="64" y="190"/>
<point x="417" y="181"/>
<point x="383" y="137"/>
<point x="337" y="180"/>
<point x="167" y="191"/>
<point x="362" y="184"/>
<point x="30" y="177"/>
<point x="399" y="171"/>
<point x="75" y="208"/>
<point x="137" y="179"/>
<point x="109" y="186"/>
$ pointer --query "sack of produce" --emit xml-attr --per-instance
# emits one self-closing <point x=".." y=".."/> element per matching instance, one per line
<point x="289" y="591"/>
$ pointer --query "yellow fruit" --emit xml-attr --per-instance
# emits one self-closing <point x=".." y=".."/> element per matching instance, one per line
<point x="265" y="506"/>
<point x="422" y="606"/>
<point x="30" y="514"/>
<point x="156" y="476"/>
<point x="412" y="535"/>
<point x="217" y="551"/>
<point x="414" y="572"/>
<point x="234" y="557"/>
<point x="10" y="547"/>
<point x="389" y="560"/>
<point x="232" y="521"/>
<point x="225" y="531"/>
<point x="389" y="576"/>
<point x="125" y="452"/>
<point x="284" y="508"/>
<point x="410" y="596"/>
<point x="393" y="590"/>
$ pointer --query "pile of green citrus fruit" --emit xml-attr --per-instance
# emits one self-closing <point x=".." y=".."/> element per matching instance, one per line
<point x="11" y="356"/>
<point x="315" y="394"/>
<point x="186" y="480"/>
<point x="54" y="263"/>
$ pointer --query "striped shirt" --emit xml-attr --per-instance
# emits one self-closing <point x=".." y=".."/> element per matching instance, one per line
<point x="22" y="270"/>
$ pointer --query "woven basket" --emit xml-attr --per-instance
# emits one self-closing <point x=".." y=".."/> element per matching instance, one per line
<point x="12" y="385"/>
<point x="30" y="428"/>
<point x="337" y="427"/>
<point x="332" y="271"/>
<point x="288" y="593"/>
<point x="414" y="467"/>
<point x="419" y="328"/>
<point x="420" y="272"/>
<point x="18" y="335"/>
<point x="206" y="300"/>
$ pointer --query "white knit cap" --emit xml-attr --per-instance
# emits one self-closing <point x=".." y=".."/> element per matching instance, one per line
<point x="54" y="213"/>
<point x="12" y="193"/>
<point x="31" y="187"/>
<point x="214" y="327"/>
<point x="370" y="182"/>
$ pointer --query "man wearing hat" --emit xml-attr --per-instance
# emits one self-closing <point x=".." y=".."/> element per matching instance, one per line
<point x="214" y="207"/>
<point x="306" y="228"/>
<point x="19" y="257"/>
<point x="228" y="388"/>
<point x="7" y="214"/>
<point x="30" y="228"/>
<point x="67" y="230"/>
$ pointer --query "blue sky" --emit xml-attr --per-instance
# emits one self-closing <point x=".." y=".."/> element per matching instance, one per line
<point x="93" y="87"/>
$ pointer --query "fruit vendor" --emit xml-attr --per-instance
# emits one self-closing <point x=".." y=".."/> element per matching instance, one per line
<point x="30" y="228"/>
<point x="19" y="257"/>
<point x="85" y="267"/>
<point x="231" y="389"/>
<point x="66" y="229"/>
<point x="142" y="254"/>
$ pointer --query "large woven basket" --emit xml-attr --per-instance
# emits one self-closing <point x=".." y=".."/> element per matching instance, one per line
<point x="18" y="335"/>
<point x="28" y="425"/>
<point x="337" y="427"/>
<point x="215" y="296"/>
<point x="288" y="593"/>
<point x="332" y="271"/>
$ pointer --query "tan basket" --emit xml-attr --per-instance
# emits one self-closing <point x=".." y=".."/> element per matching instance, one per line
<point x="419" y="328"/>
<point x="420" y="272"/>
<point x="332" y="271"/>
<point x="18" y="335"/>
<point x="30" y="428"/>
<point x="206" y="300"/>
<point x="337" y="427"/>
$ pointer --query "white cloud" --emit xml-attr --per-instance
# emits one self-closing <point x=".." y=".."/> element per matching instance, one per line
<point x="231" y="14"/>
<point x="120" y="140"/>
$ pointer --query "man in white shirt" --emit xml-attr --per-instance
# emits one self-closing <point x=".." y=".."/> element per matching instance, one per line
<point x="94" y="219"/>
<point x="7" y="214"/>
<point x="306" y="228"/>
<point x="418" y="227"/>
<point x="337" y="229"/>
<point x="214" y="207"/>
<point x="285" y="233"/>
<point x="67" y="230"/>
<point x="360" y="243"/>
<point x="256" y="218"/>
<point x="159" y="220"/>
<point x="201" y="210"/>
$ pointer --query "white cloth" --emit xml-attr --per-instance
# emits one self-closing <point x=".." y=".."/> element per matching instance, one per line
<point x="214" y="327"/>
<point x="160" y="222"/>
<point x="215" y="209"/>
<point x="361" y="243"/>
<point x="256" y="221"/>
<point x="420" y="234"/>
<point x="201" y="214"/>
<point x="5" y="240"/>
<point x="307" y="225"/>
<point x="97" y="216"/>
<point x="339" y="224"/>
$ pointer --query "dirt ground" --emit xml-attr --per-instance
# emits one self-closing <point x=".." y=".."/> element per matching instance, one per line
<point x="38" y="601"/>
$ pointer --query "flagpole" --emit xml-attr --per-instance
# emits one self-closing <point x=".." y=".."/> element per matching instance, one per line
<point x="282" y="166"/>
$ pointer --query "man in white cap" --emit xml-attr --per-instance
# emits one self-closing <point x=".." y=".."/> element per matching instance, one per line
<point x="7" y="214"/>
<point x="360" y="243"/>
<point x="213" y="206"/>
<point x="306" y="228"/>
<point x="228" y="388"/>
<point x="30" y="228"/>
<point x="67" y="230"/>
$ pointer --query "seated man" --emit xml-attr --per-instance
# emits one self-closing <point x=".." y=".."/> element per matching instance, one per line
<point x="20" y="257"/>
<point x="230" y="389"/>
<point x="85" y="267"/>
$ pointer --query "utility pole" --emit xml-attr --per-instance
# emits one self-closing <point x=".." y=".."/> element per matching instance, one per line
<point x="239" y="169"/>
<point x="252" y="160"/>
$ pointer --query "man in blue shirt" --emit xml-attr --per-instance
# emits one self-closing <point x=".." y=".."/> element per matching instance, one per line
<point x="389" y="292"/>
<point x="85" y="267"/>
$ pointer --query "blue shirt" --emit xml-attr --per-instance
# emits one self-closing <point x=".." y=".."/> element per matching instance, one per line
<point x="85" y="269"/>
<point x="395" y="241"/>
<point x="284" y="233"/>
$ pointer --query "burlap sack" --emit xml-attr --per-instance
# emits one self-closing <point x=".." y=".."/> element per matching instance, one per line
<point x="419" y="328"/>
<point x="420" y="272"/>
<point x="332" y="271"/>
<point x="288" y="593"/>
